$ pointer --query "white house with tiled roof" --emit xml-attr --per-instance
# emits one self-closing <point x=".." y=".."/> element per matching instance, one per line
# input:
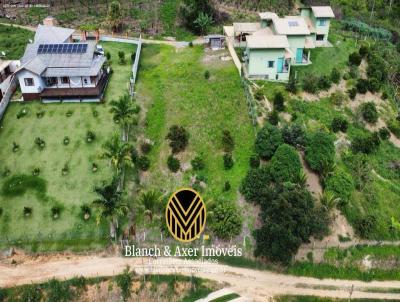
<point x="275" y="43"/>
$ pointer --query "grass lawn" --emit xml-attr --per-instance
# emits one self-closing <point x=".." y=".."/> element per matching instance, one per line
<point x="173" y="89"/>
<point x="70" y="191"/>
<point x="13" y="41"/>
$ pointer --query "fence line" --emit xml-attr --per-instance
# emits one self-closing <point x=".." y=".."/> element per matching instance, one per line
<point x="250" y="101"/>
<point x="7" y="95"/>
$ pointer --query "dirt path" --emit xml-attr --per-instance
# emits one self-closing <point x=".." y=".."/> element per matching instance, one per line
<point x="259" y="285"/>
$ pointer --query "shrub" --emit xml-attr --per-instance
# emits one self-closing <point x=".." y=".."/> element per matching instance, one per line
<point x="285" y="164"/>
<point x="69" y="113"/>
<point x="173" y="164"/>
<point x="279" y="101"/>
<point x="207" y="74"/>
<point x="338" y="98"/>
<point x="227" y="186"/>
<point x="226" y="221"/>
<point x="134" y="155"/>
<point x="65" y="169"/>
<point x="255" y="182"/>
<point x="190" y="44"/>
<point x="268" y="139"/>
<point x="197" y="163"/>
<point x="320" y="152"/>
<point x="36" y="171"/>
<point x="133" y="57"/>
<point x="394" y="126"/>
<point x="254" y="161"/>
<point x="352" y="93"/>
<point x="335" y="75"/>
<point x="15" y="147"/>
<point x="124" y="282"/>
<point x="228" y="144"/>
<point x="58" y="291"/>
<point x="291" y="86"/>
<point x="90" y="137"/>
<point x="384" y="133"/>
<point x="146" y="148"/>
<point x="94" y="167"/>
<point x="17" y="185"/>
<point x="108" y="55"/>
<point x="362" y="86"/>
<point x="27" y="211"/>
<point x="259" y="94"/>
<point x="341" y="184"/>
<point x="228" y="161"/>
<point x="324" y="83"/>
<point x="66" y="140"/>
<point x="354" y="73"/>
<point x="143" y="163"/>
<point x="30" y="293"/>
<point x="365" y="226"/>
<point x="40" y="113"/>
<point x="273" y="117"/>
<point x="55" y="212"/>
<point x="363" y="51"/>
<point x="121" y="57"/>
<point x="339" y="124"/>
<point x="355" y="59"/>
<point x="1" y="214"/>
<point x="310" y="84"/>
<point x="374" y="85"/>
<point x="294" y="135"/>
<point x="86" y="211"/>
<point x="40" y="143"/>
<point x="178" y="137"/>
<point x="369" y="112"/>
<point x="22" y="113"/>
<point x="366" y="143"/>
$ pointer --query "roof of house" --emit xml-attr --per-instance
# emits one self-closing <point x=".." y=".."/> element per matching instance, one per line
<point x="309" y="23"/>
<point x="52" y="34"/>
<point x="246" y="27"/>
<point x="291" y="25"/>
<point x="322" y="11"/>
<point x="62" y="62"/>
<point x="4" y="64"/>
<point x="262" y="42"/>
<point x="267" y="15"/>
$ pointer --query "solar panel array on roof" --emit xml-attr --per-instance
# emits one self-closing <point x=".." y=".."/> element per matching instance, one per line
<point x="76" y="48"/>
<point x="293" y="23"/>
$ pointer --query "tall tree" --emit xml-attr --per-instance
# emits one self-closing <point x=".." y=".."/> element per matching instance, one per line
<point x="114" y="16"/>
<point x="110" y="204"/>
<point x="124" y="112"/>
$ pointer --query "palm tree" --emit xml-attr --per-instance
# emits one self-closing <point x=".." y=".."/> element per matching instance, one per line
<point x="301" y="179"/>
<point x="110" y="204"/>
<point x="329" y="201"/>
<point x="149" y="200"/>
<point x="124" y="112"/>
<point x="118" y="152"/>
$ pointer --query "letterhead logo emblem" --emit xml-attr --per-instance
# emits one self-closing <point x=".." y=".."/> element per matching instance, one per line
<point x="186" y="215"/>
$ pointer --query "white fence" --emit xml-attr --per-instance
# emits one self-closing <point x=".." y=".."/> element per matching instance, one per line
<point x="7" y="95"/>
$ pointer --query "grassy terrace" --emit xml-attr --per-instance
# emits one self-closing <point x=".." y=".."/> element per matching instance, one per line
<point x="70" y="191"/>
<point x="173" y="88"/>
<point x="13" y="41"/>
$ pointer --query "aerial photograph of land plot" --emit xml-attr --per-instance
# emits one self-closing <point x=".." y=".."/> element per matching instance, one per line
<point x="199" y="150"/>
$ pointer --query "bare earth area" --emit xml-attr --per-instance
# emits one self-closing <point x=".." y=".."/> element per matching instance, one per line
<point x="258" y="285"/>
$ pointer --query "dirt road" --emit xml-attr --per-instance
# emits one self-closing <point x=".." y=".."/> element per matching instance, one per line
<point x="259" y="285"/>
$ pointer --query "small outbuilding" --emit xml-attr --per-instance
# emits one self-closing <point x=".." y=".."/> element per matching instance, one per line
<point x="215" y="42"/>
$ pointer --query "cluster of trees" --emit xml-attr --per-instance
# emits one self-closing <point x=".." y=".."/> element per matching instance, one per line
<point x="288" y="209"/>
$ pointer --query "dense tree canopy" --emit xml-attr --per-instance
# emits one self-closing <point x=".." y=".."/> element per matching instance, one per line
<point x="320" y="151"/>
<point x="269" y="138"/>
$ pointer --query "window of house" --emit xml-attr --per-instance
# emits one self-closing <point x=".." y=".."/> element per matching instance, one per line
<point x="321" y="22"/>
<point x="85" y="81"/>
<point x="29" y="82"/>
<point x="51" y="81"/>
<point x="65" y="80"/>
<point x="320" y="38"/>
<point x="271" y="64"/>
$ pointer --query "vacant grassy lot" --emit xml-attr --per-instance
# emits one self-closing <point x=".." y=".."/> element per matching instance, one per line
<point x="173" y="88"/>
<point x="69" y="192"/>
<point x="13" y="41"/>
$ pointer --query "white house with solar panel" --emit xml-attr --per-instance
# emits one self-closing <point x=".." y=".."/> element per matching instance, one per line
<point x="274" y="44"/>
<point x="55" y="69"/>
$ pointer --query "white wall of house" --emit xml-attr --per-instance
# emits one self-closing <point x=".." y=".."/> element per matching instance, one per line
<point x="38" y="84"/>
<point x="296" y="42"/>
<point x="257" y="65"/>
